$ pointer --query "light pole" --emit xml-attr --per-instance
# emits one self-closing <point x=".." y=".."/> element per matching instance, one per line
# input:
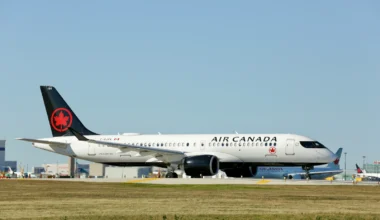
<point x="363" y="162"/>
<point x="345" y="154"/>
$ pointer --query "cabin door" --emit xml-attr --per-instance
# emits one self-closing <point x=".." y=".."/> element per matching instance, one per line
<point x="289" y="148"/>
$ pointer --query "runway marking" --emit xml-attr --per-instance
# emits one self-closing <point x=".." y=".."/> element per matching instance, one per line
<point x="263" y="182"/>
<point x="141" y="180"/>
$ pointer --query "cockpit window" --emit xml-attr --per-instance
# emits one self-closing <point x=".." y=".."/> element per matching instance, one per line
<point x="311" y="144"/>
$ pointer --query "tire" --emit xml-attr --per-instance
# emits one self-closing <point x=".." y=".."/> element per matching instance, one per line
<point x="171" y="175"/>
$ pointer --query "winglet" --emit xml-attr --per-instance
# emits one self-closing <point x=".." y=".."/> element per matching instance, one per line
<point x="78" y="135"/>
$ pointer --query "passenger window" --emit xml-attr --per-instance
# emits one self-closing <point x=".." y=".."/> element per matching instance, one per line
<point x="274" y="144"/>
<point x="266" y="144"/>
<point x="187" y="144"/>
<point x="257" y="144"/>
<point x="218" y="144"/>
<point x="270" y="144"/>
<point x="248" y="144"/>
<point x="195" y="144"/>
<point x="202" y="144"/>
<point x="262" y="144"/>
<point x="243" y="144"/>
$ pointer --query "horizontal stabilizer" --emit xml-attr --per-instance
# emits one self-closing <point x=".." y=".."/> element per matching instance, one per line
<point x="41" y="141"/>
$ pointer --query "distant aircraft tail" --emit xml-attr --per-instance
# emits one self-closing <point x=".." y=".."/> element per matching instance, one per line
<point x="335" y="163"/>
<point x="358" y="170"/>
<point x="7" y="169"/>
<point x="60" y="115"/>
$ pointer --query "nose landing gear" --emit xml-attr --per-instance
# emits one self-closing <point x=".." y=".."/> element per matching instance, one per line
<point x="307" y="169"/>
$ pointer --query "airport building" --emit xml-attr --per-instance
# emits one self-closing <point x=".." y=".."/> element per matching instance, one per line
<point x="127" y="172"/>
<point x="92" y="170"/>
<point x="372" y="168"/>
<point x="3" y="162"/>
<point x="62" y="170"/>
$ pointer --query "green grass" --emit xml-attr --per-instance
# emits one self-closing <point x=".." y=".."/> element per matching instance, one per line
<point x="25" y="199"/>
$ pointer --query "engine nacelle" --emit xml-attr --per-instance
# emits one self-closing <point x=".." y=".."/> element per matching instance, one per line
<point x="245" y="171"/>
<point x="205" y="165"/>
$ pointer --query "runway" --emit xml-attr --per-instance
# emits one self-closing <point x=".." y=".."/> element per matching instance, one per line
<point x="210" y="181"/>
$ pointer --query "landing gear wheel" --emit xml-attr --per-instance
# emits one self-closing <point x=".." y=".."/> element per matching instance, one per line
<point x="307" y="171"/>
<point x="171" y="175"/>
<point x="308" y="175"/>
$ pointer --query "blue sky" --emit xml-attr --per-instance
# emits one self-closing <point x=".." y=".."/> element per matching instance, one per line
<point x="310" y="68"/>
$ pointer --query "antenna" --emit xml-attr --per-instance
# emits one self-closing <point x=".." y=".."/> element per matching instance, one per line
<point x="236" y="132"/>
<point x="159" y="133"/>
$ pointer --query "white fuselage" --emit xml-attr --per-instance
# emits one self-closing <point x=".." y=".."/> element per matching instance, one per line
<point x="269" y="149"/>
<point x="364" y="175"/>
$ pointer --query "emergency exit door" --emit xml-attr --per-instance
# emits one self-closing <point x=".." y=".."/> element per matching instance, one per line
<point x="289" y="148"/>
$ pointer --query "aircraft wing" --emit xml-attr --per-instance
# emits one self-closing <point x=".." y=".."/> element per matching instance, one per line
<point x="41" y="141"/>
<point x="331" y="172"/>
<point x="121" y="146"/>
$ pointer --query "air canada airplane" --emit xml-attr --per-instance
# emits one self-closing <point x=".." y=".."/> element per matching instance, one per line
<point x="319" y="173"/>
<point x="195" y="155"/>
<point x="363" y="174"/>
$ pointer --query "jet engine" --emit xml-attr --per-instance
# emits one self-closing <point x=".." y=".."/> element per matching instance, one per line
<point x="245" y="171"/>
<point x="203" y="165"/>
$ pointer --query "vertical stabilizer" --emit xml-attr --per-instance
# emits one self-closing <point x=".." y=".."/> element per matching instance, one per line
<point x="335" y="163"/>
<point x="60" y="115"/>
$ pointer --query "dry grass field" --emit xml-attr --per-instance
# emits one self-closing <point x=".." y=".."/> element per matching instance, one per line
<point x="25" y="199"/>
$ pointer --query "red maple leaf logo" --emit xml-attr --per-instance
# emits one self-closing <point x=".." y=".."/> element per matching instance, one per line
<point x="61" y="119"/>
<point x="272" y="150"/>
<point x="336" y="161"/>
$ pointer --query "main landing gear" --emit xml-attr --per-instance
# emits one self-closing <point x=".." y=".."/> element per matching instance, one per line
<point x="171" y="174"/>
<point x="307" y="169"/>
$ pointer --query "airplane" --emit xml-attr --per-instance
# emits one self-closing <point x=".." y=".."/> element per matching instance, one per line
<point x="195" y="155"/>
<point x="7" y="172"/>
<point x="297" y="173"/>
<point x="363" y="174"/>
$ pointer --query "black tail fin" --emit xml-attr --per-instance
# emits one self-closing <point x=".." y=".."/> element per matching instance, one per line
<point x="358" y="169"/>
<point x="60" y="115"/>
